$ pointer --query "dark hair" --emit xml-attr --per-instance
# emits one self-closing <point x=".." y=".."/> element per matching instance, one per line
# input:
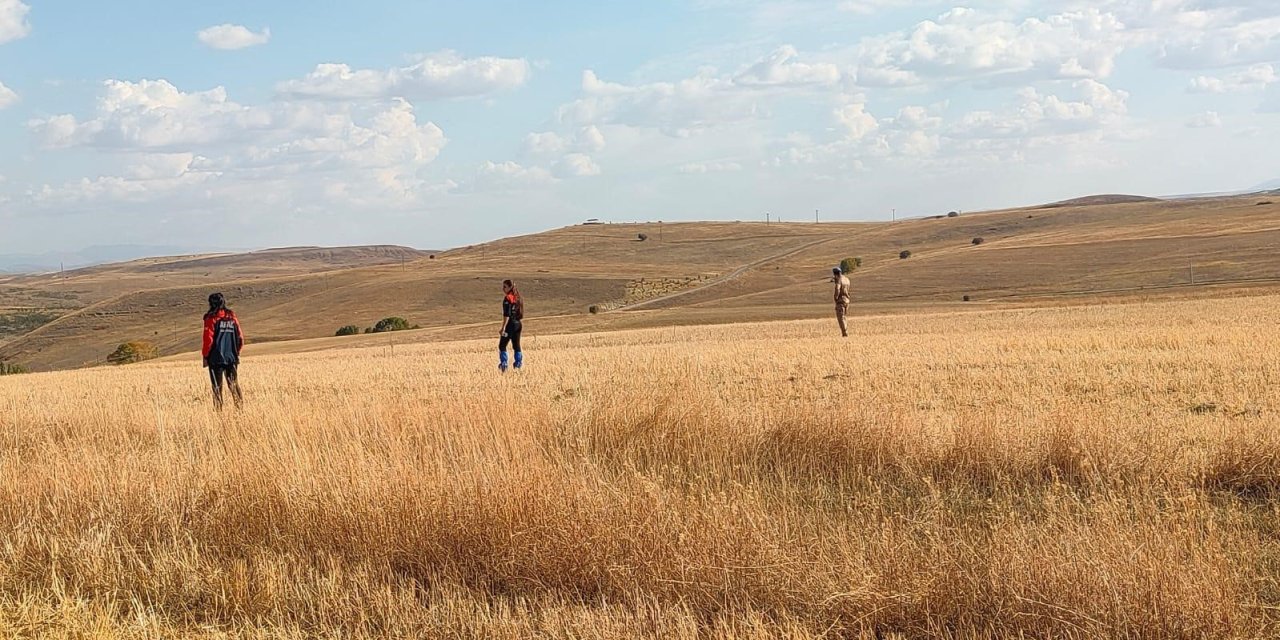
<point x="836" y="270"/>
<point x="519" y="301"/>
<point x="217" y="302"/>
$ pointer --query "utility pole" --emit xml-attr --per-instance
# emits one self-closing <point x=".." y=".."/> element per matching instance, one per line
<point x="895" y="215"/>
<point x="766" y="218"/>
<point x="815" y="216"/>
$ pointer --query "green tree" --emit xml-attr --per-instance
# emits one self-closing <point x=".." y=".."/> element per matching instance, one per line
<point x="394" y="323"/>
<point x="12" y="368"/>
<point x="348" y="330"/>
<point x="135" y="351"/>
<point x="849" y="264"/>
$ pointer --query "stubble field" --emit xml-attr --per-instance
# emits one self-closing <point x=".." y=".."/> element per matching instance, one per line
<point x="1071" y="472"/>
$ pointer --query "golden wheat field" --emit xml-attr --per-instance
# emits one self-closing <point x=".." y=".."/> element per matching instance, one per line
<point x="1072" y="472"/>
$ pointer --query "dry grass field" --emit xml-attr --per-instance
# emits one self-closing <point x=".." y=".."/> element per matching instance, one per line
<point x="725" y="272"/>
<point x="1102" y="471"/>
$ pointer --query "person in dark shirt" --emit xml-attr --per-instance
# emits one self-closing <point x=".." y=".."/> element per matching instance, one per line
<point x="512" y="325"/>
<point x="223" y="341"/>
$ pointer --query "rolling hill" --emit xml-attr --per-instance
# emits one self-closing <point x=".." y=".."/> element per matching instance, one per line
<point x="682" y="273"/>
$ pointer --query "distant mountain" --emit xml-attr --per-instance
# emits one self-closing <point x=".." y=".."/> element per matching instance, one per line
<point x="90" y="256"/>
<point x="1110" y="198"/>
<point x="1268" y="186"/>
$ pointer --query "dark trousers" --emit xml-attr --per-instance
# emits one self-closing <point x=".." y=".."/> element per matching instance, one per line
<point x="217" y="372"/>
<point x="513" y="338"/>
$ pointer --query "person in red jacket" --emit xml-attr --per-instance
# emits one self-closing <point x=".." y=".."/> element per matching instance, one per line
<point x="222" y="343"/>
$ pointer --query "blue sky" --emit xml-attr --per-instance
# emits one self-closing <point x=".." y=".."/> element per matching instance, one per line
<point x="238" y="124"/>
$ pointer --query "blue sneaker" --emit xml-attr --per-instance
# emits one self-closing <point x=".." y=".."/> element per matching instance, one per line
<point x="519" y="359"/>
<point x="502" y="361"/>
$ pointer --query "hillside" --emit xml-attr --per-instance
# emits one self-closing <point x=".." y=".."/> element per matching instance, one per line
<point x="681" y="274"/>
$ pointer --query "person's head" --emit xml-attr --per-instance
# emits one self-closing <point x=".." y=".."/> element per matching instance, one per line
<point x="508" y="286"/>
<point x="835" y="271"/>
<point x="217" y="302"/>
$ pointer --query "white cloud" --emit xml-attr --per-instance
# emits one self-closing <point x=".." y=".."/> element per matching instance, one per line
<point x="302" y="152"/>
<point x="1256" y="77"/>
<point x="587" y="139"/>
<point x="855" y="120"/>
<point x="576" y="165"/>
<point x="13" y="20"/>
<point x="1223" y="37"/>
<point x="445" y="74"/>
<point x="8" y="97"/>
<point x="779" y="69"/>
<point x="696" y="168"/>
<point x="507" y="176"/>
<point x="232" y="36"/>
<point x="703" y="101"/>
<point x="1206" y="120"/>
<point x="966" y="45"/>
<point x="1038" y="115"/>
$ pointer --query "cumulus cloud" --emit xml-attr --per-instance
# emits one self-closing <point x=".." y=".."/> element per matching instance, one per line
<point x="445" y="74"/>
<point x="780" y="69"/>
<point x="1206" y="120"/>
<point x="965" y="44"/>
<point x="587" y="139"/>
<point x="855" y="120"/>
<point x="507" y="176"/>
<point x="706" y="100"/>
<point x="13" y="20"/>
<point x="176" y="139"/>
<point x="8" y="97"/>
<point x="1254" y="78"/>
<point x="1038" y="115"/>
<point x="232" y="36"/>
<point x="575" y="165"/>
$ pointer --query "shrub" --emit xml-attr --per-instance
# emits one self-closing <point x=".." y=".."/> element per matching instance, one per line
<point x="904" y="255"/>
<point x="593" y="309"/>
<point x="642" y="237"/>
<point x="431" y="257"/>
<point x="12" y="368"/>
<point x="953" y="214"/>
<point x="966" y="298"/>
<point x="978" y="241"/>
<point x="131" y="352"/>
<point x="857" y="262"/>
<point x="349" y="330"/>
<point x="394" y="323"/>
<point x="849" y="264"/>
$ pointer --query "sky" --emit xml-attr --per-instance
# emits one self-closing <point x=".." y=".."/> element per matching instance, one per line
<point x="238" y="124"/>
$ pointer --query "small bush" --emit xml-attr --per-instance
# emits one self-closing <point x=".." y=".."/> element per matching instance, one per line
<point x="966" y="298"/>
<point x="12" y="368"/>
<point x="849" y="264"/>
<point x="368" y="329"/>
<point x="953" y="214"/>
<point x="857" y="262"/>
<point x="131" y="352"/>
<point x="904" y="255"/>
<point x="642" y="237"/>
<point x="431" y="257"/>
<point x="349" y="330"/>
<point x="978" y="241"/>
<point x="393" y="323"/>
<point x="593" y="309"/>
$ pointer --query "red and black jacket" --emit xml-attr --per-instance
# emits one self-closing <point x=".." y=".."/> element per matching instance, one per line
<point x="222" y="338"/>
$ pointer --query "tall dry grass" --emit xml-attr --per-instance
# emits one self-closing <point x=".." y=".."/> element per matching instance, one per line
<point x="1069" y="473"/>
